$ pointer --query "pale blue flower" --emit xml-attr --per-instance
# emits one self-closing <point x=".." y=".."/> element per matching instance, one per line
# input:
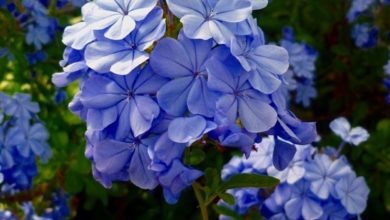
<point x="37" y="36"/>
<point x="342" y="128"/>
<point x="19" y="106"/>
<point x="206" y="19"/>
<point x="121" y="57"/>
<point x="239" y="99"/>
<point x="125" y="102"/>
<point x="296" y="167"/>
<point x="116" y="18"/>
<point x="358" y="7"/>
<point x="305" y="92"/>
<point x="73" y="65"/>
<point x="176" y="179"/>
<point x="353" y="193"/>
<point x="185" y="66"/>
<point x="303" y="203"/>
<point x="323" y="173"/>
<point x="266" y="63"/>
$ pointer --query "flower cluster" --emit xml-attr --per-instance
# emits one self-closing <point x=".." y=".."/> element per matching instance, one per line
<point x="365" y="34"/>
<point x="317" y="184"/>
<point x="23" y="137"/>
<point x="34" y="19"/>
<point x="301" y="74"/>
<point x="218" y="81"/>
<point x="57" y="209"/>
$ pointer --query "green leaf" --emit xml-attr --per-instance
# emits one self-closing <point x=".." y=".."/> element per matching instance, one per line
<point x="248" y="180"/>
<point x="227" y="212"/>
<point x="228" y="198"/>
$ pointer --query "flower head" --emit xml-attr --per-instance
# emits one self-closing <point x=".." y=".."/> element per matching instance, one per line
<point x="342" y="128"/>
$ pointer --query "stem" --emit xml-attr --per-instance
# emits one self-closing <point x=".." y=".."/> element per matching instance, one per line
<point x="203" y="207"/>
<point x="340" y="148"/>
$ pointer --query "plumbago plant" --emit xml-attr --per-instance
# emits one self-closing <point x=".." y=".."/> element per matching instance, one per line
<point x="24" y="138"/>
<point x="319" y="183"/>
<point x="33" y="20"/>
<point x="155" y="98"/>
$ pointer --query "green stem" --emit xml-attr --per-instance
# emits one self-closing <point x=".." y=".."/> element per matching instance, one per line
<point x="203" y="207"/>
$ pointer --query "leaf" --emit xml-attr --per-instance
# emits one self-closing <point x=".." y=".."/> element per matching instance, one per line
<point x="227" y="212"/>
<point x="248" y="180"/>
<point x="228" y="198"/>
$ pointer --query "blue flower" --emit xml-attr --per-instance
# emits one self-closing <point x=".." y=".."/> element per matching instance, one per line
<point x="365" y="35"/>
<point x="305" y="92"/>
<point x="206" y="19"/>
<point x="266" y="63"/>
<point x="288" y="126"/>
<point x="387" y="68"/>
<point x="128" y="155"/>
<point x="239" y="99"/>
<point x="342" y="128"/>
<point x="323" y="173"/>
<point x="358" y="7"/>
<point x="353" y="193"/>
<point x="31" y="139"/>
<point x="185" y="66"/>
<point x="171" y="173"/>
<point x="59" y="206"/>
<point x="20" y="106"/>
<point x="117" y="18"/>
<point x="296" y="167"/>
<point x="74" y="67"/>
<point x="121" y="57"/>
<point x="333" y="210"/>
<point x="300" y="77"/>
<point x="176" y="179"/>
<point x="3" y="52"/>
<point x="233" y="136"/>
<point x="128" y="101"/>
<point x="302" y="203"/>
<point x="38" y="36"/>
<point x="78" y="36"/>
<point x="273" y="207"/>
